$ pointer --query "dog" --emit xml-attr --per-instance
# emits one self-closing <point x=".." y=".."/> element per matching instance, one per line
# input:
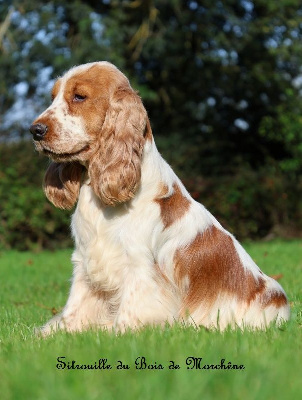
<point x="145" y="252"/>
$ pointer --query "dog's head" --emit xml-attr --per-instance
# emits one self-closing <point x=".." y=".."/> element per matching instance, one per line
<point x="96" y="121"/>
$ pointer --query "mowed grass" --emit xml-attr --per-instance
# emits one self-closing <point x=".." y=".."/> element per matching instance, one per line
<point x="33" y="286"/>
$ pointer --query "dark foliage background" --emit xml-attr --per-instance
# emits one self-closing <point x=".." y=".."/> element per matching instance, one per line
<point x="221" y="82"/>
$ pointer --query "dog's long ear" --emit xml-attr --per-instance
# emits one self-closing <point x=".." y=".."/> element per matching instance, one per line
<point x="115" y="169"/>
<point x="62" y="183"/>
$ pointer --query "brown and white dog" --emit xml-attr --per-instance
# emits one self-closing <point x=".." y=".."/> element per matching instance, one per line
<point x="145" y="251"/>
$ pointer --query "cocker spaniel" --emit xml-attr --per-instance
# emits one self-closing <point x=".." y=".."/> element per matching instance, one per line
<point x="145" y="251"/>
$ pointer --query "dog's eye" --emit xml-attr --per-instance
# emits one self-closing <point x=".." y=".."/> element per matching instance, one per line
<point x="78" y="98"/>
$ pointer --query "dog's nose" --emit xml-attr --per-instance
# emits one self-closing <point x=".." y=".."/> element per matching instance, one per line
<point x="38" y="131"/>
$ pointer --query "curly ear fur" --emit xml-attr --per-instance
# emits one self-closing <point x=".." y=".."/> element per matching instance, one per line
<point x="115" y="169"/>
<point x="62" y="183"/>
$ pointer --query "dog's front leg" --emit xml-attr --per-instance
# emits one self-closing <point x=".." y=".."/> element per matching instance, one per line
<point x="85" y="307"/>
<point x="144" y="301"/>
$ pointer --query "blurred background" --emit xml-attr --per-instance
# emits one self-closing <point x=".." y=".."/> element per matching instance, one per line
<point x="221" y="81"/>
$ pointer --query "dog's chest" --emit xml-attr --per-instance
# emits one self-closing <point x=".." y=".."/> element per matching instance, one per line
<point x="110" y="243"/>
<point x="99" y="242"/>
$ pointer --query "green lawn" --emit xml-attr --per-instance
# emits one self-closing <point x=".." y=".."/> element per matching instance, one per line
<point x="34" y="285"/>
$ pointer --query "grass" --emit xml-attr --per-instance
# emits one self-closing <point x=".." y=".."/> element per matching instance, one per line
<point x="35" y="285"/>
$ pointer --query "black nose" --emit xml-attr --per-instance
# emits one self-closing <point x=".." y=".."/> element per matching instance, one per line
<point x="38" y="131"/>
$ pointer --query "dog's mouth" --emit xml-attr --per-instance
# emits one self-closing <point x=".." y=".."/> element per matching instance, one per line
<point x="54" y="155"/>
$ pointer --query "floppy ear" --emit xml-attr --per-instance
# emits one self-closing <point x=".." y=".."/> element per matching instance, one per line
<point x="62" y="183"/>
<point x="115" y="169"/>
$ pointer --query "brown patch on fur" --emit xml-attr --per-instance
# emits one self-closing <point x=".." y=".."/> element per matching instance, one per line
<point x="172" y="207"/>
<point x="56" y="88"/>
<point x="213" y="267"/>
<point x="277" y="299"/>
<point x="62" y="183"/>
<point x="95" y="84"/>
<point x="148" y="132"/>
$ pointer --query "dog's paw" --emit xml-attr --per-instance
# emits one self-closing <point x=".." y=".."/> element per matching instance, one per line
<point x="60" y="322"/>
<point x="50" y="327"/>
<point x="123" y="325"/>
